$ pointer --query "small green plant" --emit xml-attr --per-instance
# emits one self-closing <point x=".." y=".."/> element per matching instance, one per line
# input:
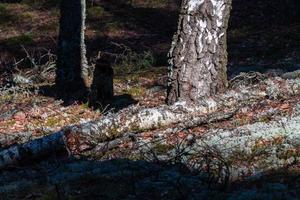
<point x="85" y="105"/>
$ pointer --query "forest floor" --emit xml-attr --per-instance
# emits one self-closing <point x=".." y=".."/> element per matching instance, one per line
<point x="137" y="35"/>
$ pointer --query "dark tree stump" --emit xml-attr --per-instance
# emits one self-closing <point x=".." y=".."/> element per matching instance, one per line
<point x="102" y="91"/>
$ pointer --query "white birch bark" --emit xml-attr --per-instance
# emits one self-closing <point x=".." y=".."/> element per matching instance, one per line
<point x="198" y="55"/>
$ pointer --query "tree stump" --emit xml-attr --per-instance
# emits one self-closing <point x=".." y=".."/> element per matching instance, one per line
<point x="102" y="91"/>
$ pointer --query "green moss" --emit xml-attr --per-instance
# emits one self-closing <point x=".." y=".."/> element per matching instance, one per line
<point x="265" y="119"/>
<point x="160" y="148"/>
<point x="52" y="121"/>
<point x="151" y="74"/>
<point x="136" y="91"/>
<point x="113" y="26"/>
<point x="95" y="13"/>
<point x="5" y="98"/>
<point x="237" y="156"/>
<point x="27" y="15"/>
<point x="134" y="62"/>
<point x="20" y="40"/>
<point x="134" y="78"/>
<point x="113" y="132"/>
<point x="240" y="122"/>
<point x="10" y="123"/>
<point x="136" y="128"/>
<point x="52" y="26"/>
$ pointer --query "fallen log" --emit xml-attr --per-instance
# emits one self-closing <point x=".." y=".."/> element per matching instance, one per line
<point x="254" y="148"/>
<point x="75" y="143"/>
<point x="231" y="154"/>
<point x="87" y="136"/>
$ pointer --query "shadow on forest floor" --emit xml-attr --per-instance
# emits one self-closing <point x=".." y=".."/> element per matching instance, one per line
<point x="117" y="103"/>
<point x="127" y="179"/>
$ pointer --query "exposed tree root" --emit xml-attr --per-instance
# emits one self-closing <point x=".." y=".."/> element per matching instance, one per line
<point x="86" y="137"/>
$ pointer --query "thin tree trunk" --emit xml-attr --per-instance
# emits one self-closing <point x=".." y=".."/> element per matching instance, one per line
<point x="72" y="67"/>
<point x="198" y="55"/>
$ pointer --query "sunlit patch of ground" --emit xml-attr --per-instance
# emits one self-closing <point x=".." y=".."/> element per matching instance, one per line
<point x="41" y="115"/>
<point x="26" y="111"/>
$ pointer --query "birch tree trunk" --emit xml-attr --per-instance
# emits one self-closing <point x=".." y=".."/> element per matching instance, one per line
<point x="72" y="67"/>
<point x="198" y="56"/>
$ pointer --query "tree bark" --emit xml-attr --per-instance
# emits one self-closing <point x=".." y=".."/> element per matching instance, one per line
<point x="72" y="68"/>
<point x="198" y="56"/>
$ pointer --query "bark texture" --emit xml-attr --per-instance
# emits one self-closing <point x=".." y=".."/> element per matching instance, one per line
<point x="198" y="56"/>
<point x="72" y="68"/>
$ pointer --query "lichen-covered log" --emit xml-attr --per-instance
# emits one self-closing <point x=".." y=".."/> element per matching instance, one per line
<point x="254" y="148"/>
<point x="198" y="55"/>
<point x="72" y="68"/>
<point x="234" y="153"/>
<point x="86" y="137"/>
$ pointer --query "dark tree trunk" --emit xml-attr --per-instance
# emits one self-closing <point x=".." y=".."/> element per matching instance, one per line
<point x="72" y="68"/>
<point x="198" y="55"/>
